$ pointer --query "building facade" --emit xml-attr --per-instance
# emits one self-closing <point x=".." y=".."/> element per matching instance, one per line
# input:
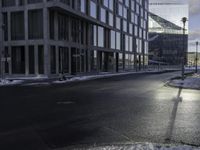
<point x="49" y="37"/>
<point x="167" y="43"/>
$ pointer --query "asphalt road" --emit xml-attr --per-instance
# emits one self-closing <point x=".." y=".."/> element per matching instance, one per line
<point x="124" y="109"/>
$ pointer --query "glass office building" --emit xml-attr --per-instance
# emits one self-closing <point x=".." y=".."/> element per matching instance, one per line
<point x="49" y="37"/>
<point x="167" y="43"/>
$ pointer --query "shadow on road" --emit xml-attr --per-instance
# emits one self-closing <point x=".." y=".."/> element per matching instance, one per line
<point x="171" y="124"/>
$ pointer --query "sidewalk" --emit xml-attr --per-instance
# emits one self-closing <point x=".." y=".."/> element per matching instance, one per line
<point x="33" y="81"/>
<point x="190" y="82"/>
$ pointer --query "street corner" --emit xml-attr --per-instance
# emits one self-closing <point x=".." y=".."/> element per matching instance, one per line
<point x="190" y="82"/>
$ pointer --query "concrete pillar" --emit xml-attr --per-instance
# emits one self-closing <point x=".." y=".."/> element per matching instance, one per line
<point x="26" y="23"/>
<point x="26" y="39"/>
<point x="46" y="41"/>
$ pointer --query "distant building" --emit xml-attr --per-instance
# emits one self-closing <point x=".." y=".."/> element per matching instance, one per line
<point x="166" y="41"/>
<point x="192" y="59"/>
<point x="49" y="37"/>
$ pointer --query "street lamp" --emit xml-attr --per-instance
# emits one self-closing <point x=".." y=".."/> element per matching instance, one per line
<point x="184" y="20"/>
<point x="197" y="43"/>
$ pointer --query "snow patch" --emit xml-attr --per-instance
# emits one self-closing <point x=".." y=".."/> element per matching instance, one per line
<point x="102" y="75"/>
<point x="192" y="82"/>
<point x="141" y="146"/>
<point x="6" y="82"/>
<point x="37" y="84"/>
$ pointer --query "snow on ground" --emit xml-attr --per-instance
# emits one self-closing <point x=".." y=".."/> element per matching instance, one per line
<point x="37" y="84"/>
<point x="191" y="82"/>
<point x="101" y="75"/>
<point x="138" y="146"/>
<point x="6" y="82"/>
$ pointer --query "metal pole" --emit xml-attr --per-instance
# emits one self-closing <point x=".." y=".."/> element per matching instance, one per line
<point x="197" y="43"/>
<point x="184" y="19"/>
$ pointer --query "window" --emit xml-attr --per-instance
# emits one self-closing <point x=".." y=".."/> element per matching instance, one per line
<point x="63" y="59"/>
<point x="112" y="39"/>
<point x="126" y="43"/>
<point x="18" y="60"/>
<point x="67" y="2"/>
<point x="83" y="6"/>
<point x="136" y="31"/>
<point x="93" y="57"/>
<point x="35" y="24"/>
<point x="124" y="25"/>
<point x="93" y="9"/>
<point x="34" y="1"/>
<point x="5" y="20"/>
<point x="17" y="25"/>
<point x="132" y="17"/>
<point x="120" y="10"/>
<point x="130" y="43"/>
<point x="21" y="2"/>
<point x="63" y="27"/>
<point x="106" y="3"/>
<point x="7" y="3"/>
<point x="111" y="4"/>
<point x="40" y="59"/>
<point x="130" y="28"/>
<point x="53" y="59"/>
<point x="125" y="13"/>
<point x="94" y="35"/>
<point x="103" y="15"/>
<point x="110" y="19"/>
<point x="75" y="30"/>
<point x="118" y="41"/>
<point x="51" y="24"/>
<point x="133" y="5"/>
<point x="118" y="23"/>
<point x="31" y="54"/>
<point x="127" y="3"/>
<point x="100" y="36"/>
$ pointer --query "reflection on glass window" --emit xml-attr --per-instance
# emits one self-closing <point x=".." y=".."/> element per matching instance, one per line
<point x="110" y="19"/>
<point x="103" y="15"/>
<point x="93" y="9"/>
<point x="82" y="2"/>
<point x="118" y="40"/>
<point x="120" y="10"/>
<point x="112" y="39"/>
<point x="118" y="23"/>
<point x="100" y="36"/>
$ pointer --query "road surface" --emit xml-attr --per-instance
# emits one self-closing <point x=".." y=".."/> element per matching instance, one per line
<point x="123" y="109"/>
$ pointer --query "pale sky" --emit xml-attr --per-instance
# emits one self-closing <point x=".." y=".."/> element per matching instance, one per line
<point x="194" y="20"/>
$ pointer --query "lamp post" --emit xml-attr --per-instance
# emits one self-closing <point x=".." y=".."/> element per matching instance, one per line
<point x="184" y="20"/>
<point x="197" y="43"/>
